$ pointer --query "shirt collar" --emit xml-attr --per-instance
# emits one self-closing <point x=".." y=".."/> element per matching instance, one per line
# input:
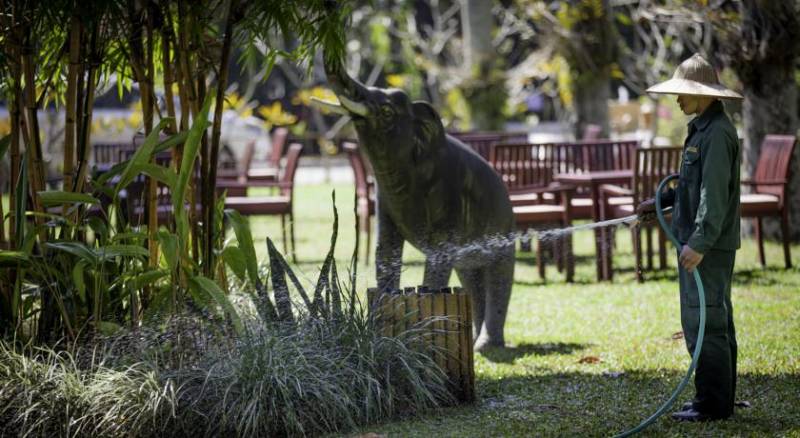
<point x="700" y="122"/>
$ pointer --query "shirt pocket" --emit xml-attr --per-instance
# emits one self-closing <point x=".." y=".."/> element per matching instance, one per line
<point x="691" y="164"/>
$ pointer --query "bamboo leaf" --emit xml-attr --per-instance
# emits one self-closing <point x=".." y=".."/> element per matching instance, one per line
<point x="141" y="156"/>
<point x="50" y="198"/>
<point x="190" y="150"/>
<point x="245" y="240"/>
<point x="203" y="285"/>
<point x="235" y="258"/>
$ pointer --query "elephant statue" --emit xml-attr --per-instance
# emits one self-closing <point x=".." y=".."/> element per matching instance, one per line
<point x="435" y="193"/>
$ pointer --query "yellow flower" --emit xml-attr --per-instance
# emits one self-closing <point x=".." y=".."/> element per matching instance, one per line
<point x="396" y="81"/>
<point x="275" y="115"/>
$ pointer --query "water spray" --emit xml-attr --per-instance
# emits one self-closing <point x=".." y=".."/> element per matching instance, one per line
<point x="701" y="294"/>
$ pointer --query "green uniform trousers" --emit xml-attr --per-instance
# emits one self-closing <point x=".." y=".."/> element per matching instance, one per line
<point x="715" y="377"/>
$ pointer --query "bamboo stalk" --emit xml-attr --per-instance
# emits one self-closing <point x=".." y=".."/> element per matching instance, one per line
<point x="216" y="130"/>
<point x="34" y="146"/>
<point x="70" y="106"/>
<point x="87" y="106"/>
<point x="189" y="106"/>
<point x="14" y="108"/>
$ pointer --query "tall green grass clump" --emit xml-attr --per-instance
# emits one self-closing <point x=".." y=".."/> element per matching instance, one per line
<point x="295" y="364"/>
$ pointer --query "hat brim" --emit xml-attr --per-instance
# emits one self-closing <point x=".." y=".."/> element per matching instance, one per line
<point x="694" y="88"/>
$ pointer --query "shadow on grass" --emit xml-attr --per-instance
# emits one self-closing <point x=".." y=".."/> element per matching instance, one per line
<point x="511" y="353"/>
<point x="769" y="276"/>
<point x="593" y="404"/>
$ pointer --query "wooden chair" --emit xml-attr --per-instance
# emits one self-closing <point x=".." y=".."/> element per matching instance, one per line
<point x="482" y="141"/>
<point x="271" y="171"/>
<point x="365" y="195"/>
<point x="588" y="156"/>
<point x="770" y="190"/>
<point x="280" y="204"/>
<point x="527" y="170"/>
<point x="650" y="167"/>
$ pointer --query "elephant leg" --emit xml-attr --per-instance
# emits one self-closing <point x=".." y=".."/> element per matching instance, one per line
<point x="472" y="280"/>
<point x="388" y="254"/>
<point x="437" y="273"/>
<point x="499" y="277"/>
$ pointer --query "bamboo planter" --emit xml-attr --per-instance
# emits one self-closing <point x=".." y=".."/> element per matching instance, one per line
<point x="448" y="313"/>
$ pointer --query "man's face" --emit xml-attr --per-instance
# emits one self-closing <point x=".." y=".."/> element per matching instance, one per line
<point x="689" y="104"/>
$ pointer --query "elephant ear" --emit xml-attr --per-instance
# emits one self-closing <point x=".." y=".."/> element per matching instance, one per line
<point x="428" y="128"/>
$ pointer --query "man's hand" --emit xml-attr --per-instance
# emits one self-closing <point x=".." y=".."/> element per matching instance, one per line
<point x="690" y="258"/>
<point x="646" y="211"/>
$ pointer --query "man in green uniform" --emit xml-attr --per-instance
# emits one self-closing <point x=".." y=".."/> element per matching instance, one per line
<point x="705" y="219"/>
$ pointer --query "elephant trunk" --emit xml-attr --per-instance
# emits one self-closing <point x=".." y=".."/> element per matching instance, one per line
<point x="351" y="93"/>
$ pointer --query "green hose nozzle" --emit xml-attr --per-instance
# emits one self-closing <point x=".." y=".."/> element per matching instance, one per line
<point x="702" y="295"/>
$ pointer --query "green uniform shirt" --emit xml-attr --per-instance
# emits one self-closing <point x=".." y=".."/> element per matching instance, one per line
<point x="706" y="201"/>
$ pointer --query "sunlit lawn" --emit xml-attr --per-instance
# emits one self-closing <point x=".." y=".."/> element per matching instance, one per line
<point x="541" y="387"/>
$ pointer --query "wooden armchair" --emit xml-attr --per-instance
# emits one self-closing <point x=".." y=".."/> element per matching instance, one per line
<point x="365" y="195"/>
<point x="770" y="190"/>
<point x="280" y="204"/>
<point x="650" y="167"/>
<point x="527" y="171"/>
<point x="270" y="172"/>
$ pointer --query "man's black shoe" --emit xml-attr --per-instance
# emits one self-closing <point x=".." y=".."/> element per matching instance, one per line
<point x="692" y="416"/>
<point x="744" y="404"/>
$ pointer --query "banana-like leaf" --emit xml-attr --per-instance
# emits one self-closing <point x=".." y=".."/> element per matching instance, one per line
<point x="160" y="173"/>
<point x="204" y="286"/>
<point x="169" y="246"/>
<point x="77" y="249"/>
<point x="146" y="278"/>
<point x="77" y="278"/>
<point x="190" y="150"/>
<point x="235" y="258"/>
<point x="120" y="167"/>
<point x="108" y="252"/>
<point x="141" y="156"/>
<point x="245" y="239"/>
<point x="50" y="198"/>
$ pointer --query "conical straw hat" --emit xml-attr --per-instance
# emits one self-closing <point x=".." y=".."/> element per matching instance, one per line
<point x="696" y="77"/>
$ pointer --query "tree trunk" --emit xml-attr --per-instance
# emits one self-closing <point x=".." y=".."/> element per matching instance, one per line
<point x="591" y="93"/>
<point x="773" y="110"/>
<point x="485" y="90"/>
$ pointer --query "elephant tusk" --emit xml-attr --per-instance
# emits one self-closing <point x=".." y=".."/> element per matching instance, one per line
<point x="356" y="108"/>
<point x="330" y="106"/>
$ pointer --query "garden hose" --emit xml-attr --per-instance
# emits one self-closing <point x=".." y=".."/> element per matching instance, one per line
<point x="701" y="294"/>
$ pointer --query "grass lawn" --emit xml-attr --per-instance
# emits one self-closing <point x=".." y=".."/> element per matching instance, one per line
<point x="591" y="359"/>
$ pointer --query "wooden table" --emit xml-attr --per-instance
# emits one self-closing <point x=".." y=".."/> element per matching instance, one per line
<point x="593" y="180"/>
